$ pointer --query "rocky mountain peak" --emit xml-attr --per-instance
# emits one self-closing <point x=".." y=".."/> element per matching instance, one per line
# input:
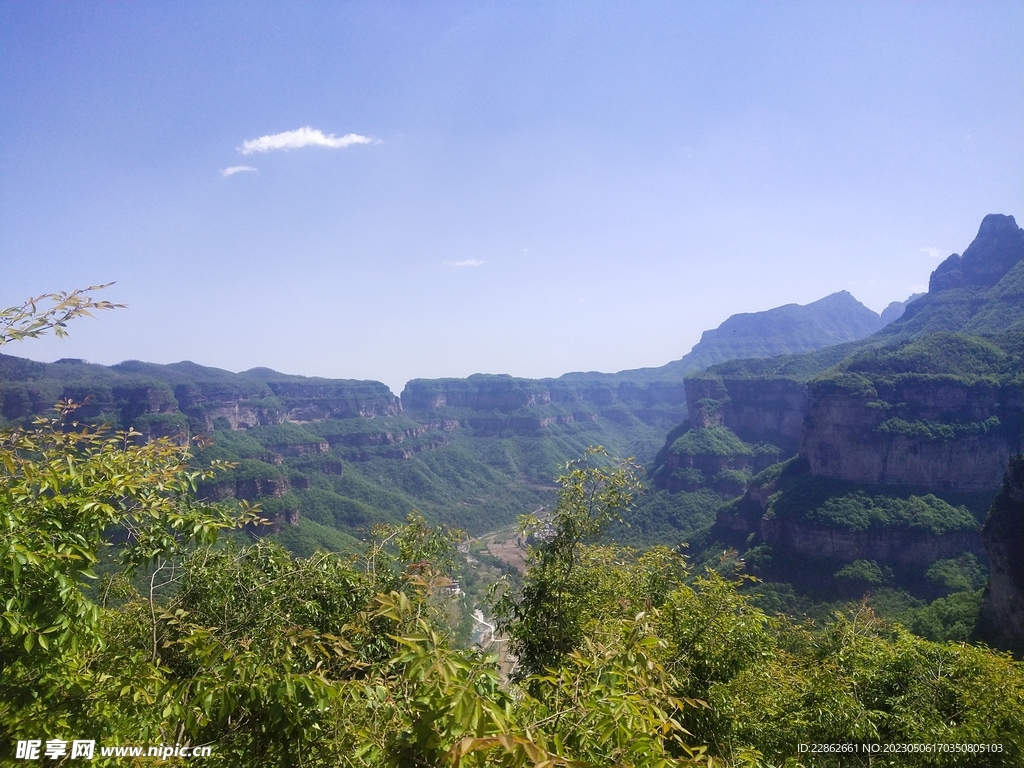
<point x="998" y="246"/>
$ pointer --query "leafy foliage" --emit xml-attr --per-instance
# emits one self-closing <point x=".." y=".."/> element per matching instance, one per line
<point x="938" y="353"/>
<point x="862" y="680"/>
<point x="865" y="571"/>
<point x="67" y="493"/>
<point x="962" y="573"/>
<point x="857" y="507"/>
<point x="28" y="321"/>
<point x="549" y="618"/>
<point x="710" y="441"/>
<point x="937" y="430"/>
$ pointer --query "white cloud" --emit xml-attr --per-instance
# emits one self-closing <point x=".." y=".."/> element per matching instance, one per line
<point x="302" y="137"/>
<point x="466" y="263"/>
<point x="935" y="253"/>
<point x="225" y="172"/>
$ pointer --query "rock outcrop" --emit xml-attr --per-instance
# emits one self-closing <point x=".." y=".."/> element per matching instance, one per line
<point x="979" y="292"/>
<point x="1001" y="623"/>
<point x="248" y="488"/>
<point x="998" y="246"/>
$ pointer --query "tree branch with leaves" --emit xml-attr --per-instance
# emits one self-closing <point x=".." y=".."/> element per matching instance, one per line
<point x="33" y="318"/>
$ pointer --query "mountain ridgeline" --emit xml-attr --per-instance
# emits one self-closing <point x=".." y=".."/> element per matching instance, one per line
<point x="933" y="399"/>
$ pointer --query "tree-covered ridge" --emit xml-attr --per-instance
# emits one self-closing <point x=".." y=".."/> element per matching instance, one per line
<point x="996" y="356"/>
<point x="944" y="352"/>
<point x="709" y="441"/>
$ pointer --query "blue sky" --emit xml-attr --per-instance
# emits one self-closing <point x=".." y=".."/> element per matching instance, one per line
<point x="541" y="187"/>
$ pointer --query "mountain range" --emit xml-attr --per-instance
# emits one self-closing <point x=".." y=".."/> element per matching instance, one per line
<point x="824" y="434"/>
<point x="508" y="436"/>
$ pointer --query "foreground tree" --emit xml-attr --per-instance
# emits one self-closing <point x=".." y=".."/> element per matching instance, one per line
<point x="68" y="492"/>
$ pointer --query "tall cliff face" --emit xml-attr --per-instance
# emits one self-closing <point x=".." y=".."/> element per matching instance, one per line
<point x="1001" y="623"/>
<point x="940" y="432"/>
<point x="482" y="392"/>
<point x="800" y="514"/>
<point x="769" y="410"/>
<point x="493" y="404"/>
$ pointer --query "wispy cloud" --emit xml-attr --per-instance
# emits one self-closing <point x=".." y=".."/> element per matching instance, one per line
<point x="302" y="137"/>
<point x="934" y="253"/>
<point x="466" y="263"/>
<point x="225" y="172"/>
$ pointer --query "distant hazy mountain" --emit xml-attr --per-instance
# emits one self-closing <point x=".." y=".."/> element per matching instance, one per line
<point x="786" y="330"/>
<point x="895" y="311"/>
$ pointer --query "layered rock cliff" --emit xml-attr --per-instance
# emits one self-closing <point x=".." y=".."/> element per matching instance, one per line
<point x="769" y="409"/>
<point x="932" y="431"/>
<point x="580" y="396"/>
<point x="132" y="389"/>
